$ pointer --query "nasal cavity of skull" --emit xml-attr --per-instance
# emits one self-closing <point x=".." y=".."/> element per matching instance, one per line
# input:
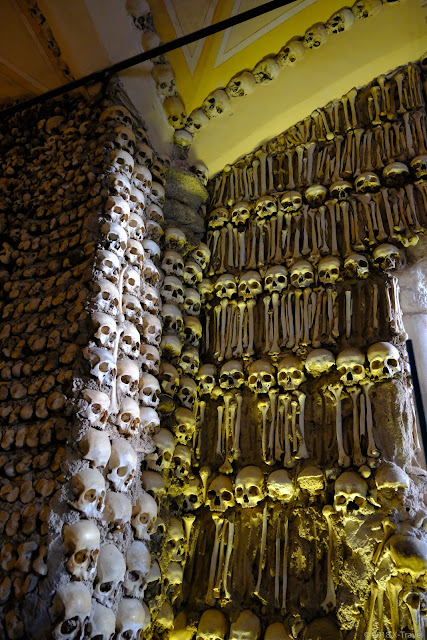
<point x="252" y="491"/>
<point x="216" y="498"/>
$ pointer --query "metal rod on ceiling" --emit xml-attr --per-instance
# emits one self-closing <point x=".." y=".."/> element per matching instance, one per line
<point x="105" y="74"/>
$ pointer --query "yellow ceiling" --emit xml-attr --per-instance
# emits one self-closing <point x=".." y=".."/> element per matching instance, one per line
<point x="27" y="66"/>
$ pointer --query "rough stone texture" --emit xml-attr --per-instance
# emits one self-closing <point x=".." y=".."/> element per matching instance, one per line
<point x="185" y="196"/>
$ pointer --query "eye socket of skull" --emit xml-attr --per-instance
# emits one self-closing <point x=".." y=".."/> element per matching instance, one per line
<point x="296" y="375"/>
<point x="357" y="369"/>
<point x="253" y="490"/>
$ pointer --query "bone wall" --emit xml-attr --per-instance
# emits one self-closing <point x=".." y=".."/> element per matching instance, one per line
<point x="306" y="516"/>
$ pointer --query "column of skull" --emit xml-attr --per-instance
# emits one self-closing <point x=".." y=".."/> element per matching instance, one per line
<point x="310" y="524"/>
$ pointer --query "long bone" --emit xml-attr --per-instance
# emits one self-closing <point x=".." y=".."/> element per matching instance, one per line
<point x="228" y="429"/>
<point x="387" y="141"/>
<point x="372" y="449"/>
<point x="255" y="166"/>
<point x="321" y="157"/>
<point x="275" y="349"/>
<point x="365" y="200"/>
<point x="315" y="341"/>
<point x="330" y="304"/>
<point x="285" y="567"/>
<point x="393" y="589"/>
<point x="352" y="95"/>
<point x="252" y="231"/>
<point x="367" y="155"/>
<point x="284" y="402"/>
<point x="343" y="458"/>
<point x="306" y="316"/>
<point x="297" y="316"/>
<point x="278" y="434"/>
<point x="223" y="304"/>
<point x="399" y="78"/>
<point x="358" y="458"/>
<point x="284" y="319"/>
<point x="348" y="313"/>
<point x="241" y="306"/>
<point x="262" y="155"/>
<point x="277" y="564"/>
<point x="300" y="166"/>
<point x="220" y="422"/>
<point x="375" y="321"/>
<point x="408" y="135"/>
<point x="237" y="183"/>
<point x="286" y="236"/>
<point x="267" y="301"/>
<point x="188" y="519"/>
<point x="290" y="156"/>
<point x="324" y="249"/>
<point x="410" y="238"/>
<point x="277" y="258"/>
<point x="261" y="225"/>
<point x="229" y="551"/>
<point x="358" y="135"/>
<point x="220" y="201"/>
<point x="271" y="226"/>
<point x="389" y="214"/>
<point x="250" y="304"/>
<point x="246" y="195"/>
<point x="202" y="411"/>
<point x="262" y="549"/>
<point x="231" y="331"/>
<point x="389" y="529"/>
<point x="263" y="406"/>
<point x="379" y="147"/>
<point x="305" y="246"/>
<point x="348" y="157"/>
<point x="344" y="206"/>
<point x="219" y="521"/>
<point x="231" y="198"/>
<point x="222" y="250"/>
<point x="302" y="448"/>
<point x="420" y="133"/>
<point x="272" y="396"/>
<point x="291" y="340"/>
<point x="409" y="188"/>
<point x="412" y="600"/>
<point x="311" y="147"/>
<point x="235" y="448"/>
<point x="385" y="95"/>
<point x="280" y="172"/>
<point x="230" y="252"/>
<point x="371" y="615"/>
<point x="315" y="255"/>
<point x="218" y="182"/>
<point x="216" y="591"/>
<point x="270" y="173"/>
<point x="296" y="254"/>
<point x="376" y="94"/>
<point x="330" y="601"/>
<point x="338" y="147"/>
<point x="336" y="316"/>
<point x="294" y="409"/>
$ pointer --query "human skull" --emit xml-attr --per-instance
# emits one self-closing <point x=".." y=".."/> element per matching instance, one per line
<point x="280" y="486"/>
<point x="329" y="269"/>
<point x="102" y="363"/>
<point x="117" y="210"/>
<point x="192" y="495"/>
<point x="181" y="461"/>
<point x="72" y="605"/>
<point x="185" y="425"/>
<point x="302" y="274"/>
<point x="127" y="378"/>
<point x="366" y="8"/>
<point x="319" y="361"/>
<point x="149" y="390"/>
<point x="131" y="281"/>
<point x="165" y="446"/>
<point x="124" y="138"/>
<point x="116" y="237"/>
<point x="189" y="361"/>
<point x="311" y="480"/>
<point x="419" y="167"/>
<point x="122" y="463"/>
<point x="119" y="185"/>
<point x="196" y="120"/>
<point x="206" y="378"/>
<point x="192" y="331"/>
<point x="220" y="494"/>
<point x="290" y="373"/>
<point x="95" y="446"/>
<point x="316" y="195"/>
<point x="250" y="285"/>
<point x="111" y="571"/>
<point x="117" y="510"/>
<point x="81" y="543"/>
<point x="275" y="279"/>
<point x="172" y="291"/>
<point x="122" y="162"/>
<point x="387" y="257"/>
<point x="340" y="21"/>
<point x="175" y="112"/>
<point x="291" y="202"/>
<point x="341" y="190"/>
<point x="96" y="411"/>
<point x="240" y="213"/>
<point x="206" y="290"/>
<point x="193" y="273"/>
<point x="175" y="238"/>
<point x="212" y="625"/>
<point x="150" y="272"/>
<point x="182" y="138"/>
<point x="225" y="286"/>
<point x="154" y="212"/>
<point x="150" y="358"/>
<point x="171" y="346"/>
<point x="242" y="84"/>
<point x="130" y="340"/>
<point x="116" y="114"/>
<point x="151" y="248"/>
<point x="169" y="378"/>
<point x="291" y="53"/>
<point x="151" y="329"/>
<point x="133" y="617"/>
<point x="150" y="420"/>
<point x="367" y="182"/>
<point x="266" y="70"/>
<point x="164" y="78"/>
<point x="249" y="486"/>
<point x="136" y="227"/>
<point x="132" y="309"/>
<point x="315" y="36"/>
<point x="384" y="360"/>
<point x="106" y="298"/>
<point x="108" y="264"/>
<point x="102" y="623"/>
<point x="143" y="154"/>
<point x="216" y="103"/>
<point x="134" y="253"/>
<point x="89" y="489"/>
<point x="202" y="172"/>
<point x="219" y="217"/>
<point x="391" y="484"/>
<point x="265" y="207"/>
<point x="350" y="492"/>
<point x="261" y="376"/>
<point x="357" y="265"/>
<point x="351" y="366"/>
<point x="128" y="419"/>
<point x="157" y="196"/>
<point x="187" y="392"/>
<point x="409" y="555"/>
<point x="231" y="375"/>
<point x="172" y="318"/>
<point x="395" y="174"/>
<point x="246" y="627"/>
<point x="192" y="302"/>
<point x="173" y="264"/>
<point x="153" y="483"/>
<point x="144" y="515"/>
<point x="138" y="560"/>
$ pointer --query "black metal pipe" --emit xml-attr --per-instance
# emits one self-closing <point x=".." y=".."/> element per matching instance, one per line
<point x="105" y="74"/>
<point x="419" y="405"/>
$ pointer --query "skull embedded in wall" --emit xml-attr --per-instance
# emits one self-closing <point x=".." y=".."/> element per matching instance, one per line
<point x="171" y="346"/>
<point x="130" y="340"/>
<point x="315" y="36"/>
<point x="157" y="197"/>
<point x="169" y="378"/>
<point x="106" y="297"/>
<point x="175" y="541"/>
<point x="152" y="249"/>
<point x="121" y="162"/>
<point x="116" y="114"/>
<point x="201" y="172"/>
<point x="119" y="185"/>
<point x="131" y="281"/>
<point x="192" y="331"/>
<point x="366" y="8"/>
<point x="329" y="270"/>
<point x="250" y="285"/>
<point x="138" y="560"/>
<point x="384" y="360"/>
<point x="357" y="265"/>
<point x="350" y="492"/>
<point x="136" y="227"/>
<point x="102" y="623"/>
<point x="124" y="138"/>
<point x="192" y="495"/>
<point x="89" y="489"/>
<point x="206" y="378"/>
<point x="181" y="461"/>
<point x="291" y="202"/>
<point x="220" y="495"/>
<point x="150" y="272"/>
<point x="196" y="120"/>
<point x="131" y="307"/>
<point x="81" y="543"/>
<point x="216" y="103"/>
<point x="395" y="174"/>
<point x="182" y="138"/>
<point x="110" y="574"/>
<point x="134" y="253"/>
<point x="150" y="421"/>
<point x="117" y="510"/>
<point x="246" y="627"/>
<point x="175" y="112"/>
<point x="249" y="488"/>
<point x="192" y="302"/>
<point x="341" y="190"/>
<point x="351" y="366"/>
<point x="266" y="70"/>
<point x="165" y="446"/>
<point x="367" y="182"/>
<point x="143" y="154"/>
<point x="172" y="291"/>
<point x="151" y="329"/>
<point x="240" y="213"/>
<point x="175" y="238"/>
<point x="206" y="290"/>
<point x="117" y="210"/>
<point x="319" y="361"/>
<point x="133" y="617"/>
<point x="291" y="53"/>
<point x="173" y="264"/>
<point x="231" y="375"/>
<point x="144" y="515"/>
<point x="311" y="480"/>
<point x="340" y="21"/>
<point x="108" y="264"/>
<point x="123" y="462"/>
<point x="212" y="625"/>
<point x="187" y="392"/>
<point x="149" y="390"/>
<point x="154" y="212"/>
<point x="128" y="420"/>
<point x="193" y="273"/>
<point x="71" y="608"/>
<point x="150" y="358"/>
<point x="154" y="230"/>
<point x="419" y="167"/>
<point x="261" y="376"/>
<point x="280" y="486"/>
<point x="302" y="274"/>
<point x="201" y="255"/>
<point x="219" y="217"/>
<point x="164" y="78"/>
<point x="391" y="483"/>
<point x="275" y="279"/>
<point x="265" y="207"/>
<point x="225" y="286"/>
<point x="172" y="318"/>
<point x="95" y="446"/>
<point x="102" y="363"/>
<point x="242" y="84"/>
<point x="387" y="257"/>
<point x="97" y="407"/>
<point x="290" y="373"/>
<point x="153" y="483"/>
<point x="189" y="361"/>
<point x="142" y="178"/>
<point x="127" y="378"/>
<point x="116" y="238"/>
<point x="185" y="425"/>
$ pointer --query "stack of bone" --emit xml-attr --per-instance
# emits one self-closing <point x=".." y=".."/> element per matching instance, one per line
<point x="306" y="524"/>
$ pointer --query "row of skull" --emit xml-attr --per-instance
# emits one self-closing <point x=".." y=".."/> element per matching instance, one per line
<point x="383" y="358"/>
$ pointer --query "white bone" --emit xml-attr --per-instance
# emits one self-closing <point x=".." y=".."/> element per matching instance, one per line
<point x="372" y="448"/>
<point x="329" y="603"/>
<point x="210" y="600"/>
<point x="343" y="458"/>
